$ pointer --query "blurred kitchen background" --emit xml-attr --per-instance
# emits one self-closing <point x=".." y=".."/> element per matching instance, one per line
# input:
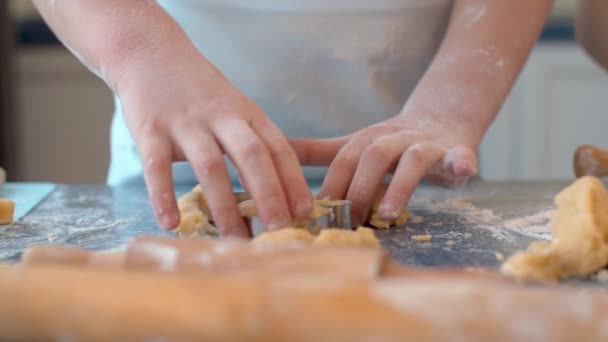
<point x="55" y="115"/>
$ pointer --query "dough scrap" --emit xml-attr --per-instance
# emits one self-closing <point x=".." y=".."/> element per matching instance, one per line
<point x="422" y="238"/>
<point x="248" y="209"/>
<point x="335" y="237"/>
<point x="580" y="237"/>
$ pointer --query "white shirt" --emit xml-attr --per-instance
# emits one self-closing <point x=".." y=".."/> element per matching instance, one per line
<point x="319" y="68"/>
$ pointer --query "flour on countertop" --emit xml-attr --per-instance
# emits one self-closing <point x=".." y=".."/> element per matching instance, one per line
<point x="534" y="225"/>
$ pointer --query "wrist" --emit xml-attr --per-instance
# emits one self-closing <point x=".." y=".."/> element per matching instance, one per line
<point x="143" y="61"/>
<point x="136" y="49"/>
<point x="466" y="108"/>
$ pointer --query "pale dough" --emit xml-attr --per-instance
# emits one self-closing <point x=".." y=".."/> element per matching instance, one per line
<point x="362" y="237"/>
<point x="580" y="237"/>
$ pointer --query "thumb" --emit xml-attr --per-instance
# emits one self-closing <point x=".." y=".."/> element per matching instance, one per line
<point x="318" y="152"/>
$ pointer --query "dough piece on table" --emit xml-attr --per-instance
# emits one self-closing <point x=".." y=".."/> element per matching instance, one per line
<point x="177" y="255"/>
<point x="580" y="237"/>
<point x="195" y="216"/>
<point x="7" y="210"/>
<point x="362" y="237"/>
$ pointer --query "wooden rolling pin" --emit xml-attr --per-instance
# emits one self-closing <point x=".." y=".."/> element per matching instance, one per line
<point x="590" y="161"/>
<point x="47" y="303"/>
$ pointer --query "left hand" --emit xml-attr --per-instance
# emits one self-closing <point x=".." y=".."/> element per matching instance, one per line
<point x="412" y="147"/>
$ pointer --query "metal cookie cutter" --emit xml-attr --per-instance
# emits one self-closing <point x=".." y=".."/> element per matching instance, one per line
<point x="337" y="217"/>
<point x="339" y="214"/>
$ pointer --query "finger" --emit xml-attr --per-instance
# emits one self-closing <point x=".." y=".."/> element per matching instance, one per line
<point x="457" y="166"/>
<point x="207" y="160"/>
<point x="462" y="162"/>
<point x="413" y="165"/>
<point x="155" y="151"/>
<point x="250" y="155"/>
<point x="318" y="152"/>
<point x="376" y="160"/>
<point x="342" y="169"/>
<point x="287" y="167"/>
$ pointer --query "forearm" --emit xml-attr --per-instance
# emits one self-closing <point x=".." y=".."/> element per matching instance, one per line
<point x="106" y="34"/>
<point x="592" y="29"/>
<point x="485" y="48"/>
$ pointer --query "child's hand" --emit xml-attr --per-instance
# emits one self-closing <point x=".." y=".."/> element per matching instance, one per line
<point x="178" y="107"/>
<point x="441" y="151"/>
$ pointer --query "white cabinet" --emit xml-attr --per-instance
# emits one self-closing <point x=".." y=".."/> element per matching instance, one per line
<point x="559" y="102"/>
<point x="64" y="115"/>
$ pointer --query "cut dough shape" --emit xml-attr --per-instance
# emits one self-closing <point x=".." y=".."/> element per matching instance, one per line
<point x="362" y="237"/>
<point x="580" y="237"/>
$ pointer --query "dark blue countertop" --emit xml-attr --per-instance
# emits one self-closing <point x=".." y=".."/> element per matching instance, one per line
<point x="474" y="226"/>
<point x="36" y="33"/>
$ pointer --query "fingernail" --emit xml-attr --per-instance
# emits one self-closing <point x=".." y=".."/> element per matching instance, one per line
<point x="389" y="211"/>
<point x="279" y="223"/>
<point x="303" y="208"/>
<point x="169" y="221"/>
<point x="465" y="169"/>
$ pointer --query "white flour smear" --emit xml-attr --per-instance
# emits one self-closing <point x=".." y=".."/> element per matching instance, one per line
<point x="535" y="226"/>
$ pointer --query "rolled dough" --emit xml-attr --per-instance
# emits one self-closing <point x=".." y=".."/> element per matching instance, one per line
<point x="362" y="237"/>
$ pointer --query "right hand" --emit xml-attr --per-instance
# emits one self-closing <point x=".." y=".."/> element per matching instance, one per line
<point x="179" y="107"/>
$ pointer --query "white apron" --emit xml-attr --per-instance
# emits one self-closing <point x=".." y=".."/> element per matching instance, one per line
<point x="319" y="68"/>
